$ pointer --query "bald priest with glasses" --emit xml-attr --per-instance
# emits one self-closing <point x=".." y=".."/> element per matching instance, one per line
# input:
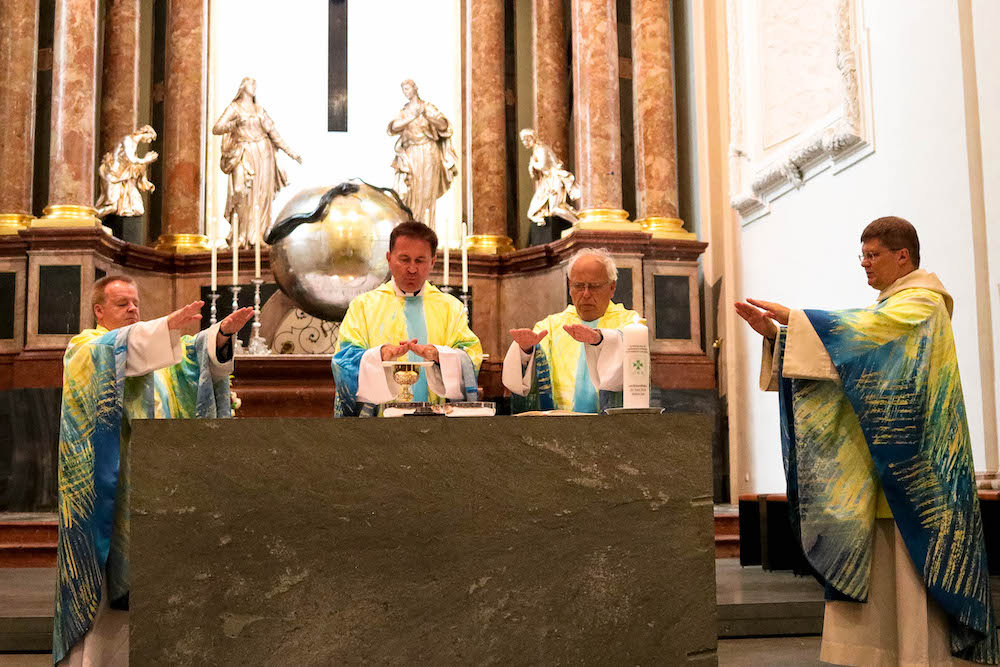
<point x="572" y="360"/>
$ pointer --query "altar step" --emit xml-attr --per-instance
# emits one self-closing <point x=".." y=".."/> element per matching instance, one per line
<point x="28" y="539"/>
<point x="727" y="531"/>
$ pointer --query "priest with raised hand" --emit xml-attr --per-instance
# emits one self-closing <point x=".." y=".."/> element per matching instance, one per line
<point x="123" y="369"/>
<point x="572" y="360"/>
<point x="879" y="465"/>
<point x="405" y="317"/>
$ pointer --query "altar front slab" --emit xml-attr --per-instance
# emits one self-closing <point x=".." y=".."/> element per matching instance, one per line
<point x="584" y="540"/>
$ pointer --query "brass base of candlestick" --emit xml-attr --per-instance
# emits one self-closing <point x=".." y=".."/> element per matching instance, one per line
<point x="665" y="228"/>
<point x="11" y="223"/>
<point x="489" y="244"/>
<point x="603" y="219"/>
<point x="67" y="215"/>
<point x="183" y="244"/>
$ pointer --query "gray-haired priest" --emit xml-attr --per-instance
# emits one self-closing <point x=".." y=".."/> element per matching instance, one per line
<point x="572" y="360"/>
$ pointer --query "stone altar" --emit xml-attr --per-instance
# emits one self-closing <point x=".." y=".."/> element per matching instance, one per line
<point x="423" y="541"/>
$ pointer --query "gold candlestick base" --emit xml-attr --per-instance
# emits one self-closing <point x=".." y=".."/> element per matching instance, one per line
<point x="489" y="244"/>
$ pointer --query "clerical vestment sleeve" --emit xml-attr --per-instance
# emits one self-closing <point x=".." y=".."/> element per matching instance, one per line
<point x="375" y="384"/>
<point x="445" y="377"/>
<point x="152" y="346"/>
<point x="604" y="360"/>
<point x="516" y="375"/>
<point x="769" y="361"/>
<point x="805" y="356"/>
<point x="218" y="369"/>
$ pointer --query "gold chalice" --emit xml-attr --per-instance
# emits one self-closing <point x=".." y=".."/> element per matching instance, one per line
<point x="406" y="374"/>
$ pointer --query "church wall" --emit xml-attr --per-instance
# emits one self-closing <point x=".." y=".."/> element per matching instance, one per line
<point x="287" y="52"/>
<point x="804" y="252"/>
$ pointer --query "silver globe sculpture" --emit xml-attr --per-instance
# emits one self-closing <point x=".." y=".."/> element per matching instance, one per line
<point x="329" y="245"/>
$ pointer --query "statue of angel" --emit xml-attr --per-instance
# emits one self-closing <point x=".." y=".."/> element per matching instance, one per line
<point x="555" y="186"/>
<point x="123" y="175"/>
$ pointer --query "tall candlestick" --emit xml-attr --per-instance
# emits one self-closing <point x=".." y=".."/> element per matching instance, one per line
<point x="465" y="257"/>
<point x="236" y="253"/>
<point x="256" y="248"/>
<point x="213" y="232"/>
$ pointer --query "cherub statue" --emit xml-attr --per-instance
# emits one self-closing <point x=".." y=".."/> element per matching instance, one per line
<point x="555" y="186"/>
<point x="123" y="175"/>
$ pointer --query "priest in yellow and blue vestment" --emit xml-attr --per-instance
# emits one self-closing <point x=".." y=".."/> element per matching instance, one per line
<point x="572" y="360"/>
<point x="123" y="369"/>
<point x="406" y="316"/>
<point x="879" y="465"/>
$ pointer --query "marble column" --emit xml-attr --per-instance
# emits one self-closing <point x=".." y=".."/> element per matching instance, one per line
<point x="653" y="113"/>
<point x="551" y="75"/>
<point x="487" y="127"/>
<point x="18" y="65"/>
<point x="597" y="115"/>
<point x="184" y="126"/>
<point x="120" y="91"/>
<point x="73" y="147"/>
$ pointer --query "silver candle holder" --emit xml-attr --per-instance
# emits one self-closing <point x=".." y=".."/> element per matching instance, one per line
<point x="257" y="346"/>
<point x="237" y="344"/>
<point x="213" y="311"/>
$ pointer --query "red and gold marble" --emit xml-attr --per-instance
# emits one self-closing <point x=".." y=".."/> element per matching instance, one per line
<point x="550" y="47"/>
<point x="18" y="62"/>
<point x="184" y="119"/>
<point x="120" y="85"/>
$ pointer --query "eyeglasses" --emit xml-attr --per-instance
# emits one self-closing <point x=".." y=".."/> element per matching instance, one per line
<point x="593" y="287"/>
<point x="872" y="256"/>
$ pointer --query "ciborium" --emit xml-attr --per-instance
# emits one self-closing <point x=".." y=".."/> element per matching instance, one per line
<point x="406" y="374"/>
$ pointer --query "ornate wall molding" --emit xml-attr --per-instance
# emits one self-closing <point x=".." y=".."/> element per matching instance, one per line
<point x="841" y="138"/>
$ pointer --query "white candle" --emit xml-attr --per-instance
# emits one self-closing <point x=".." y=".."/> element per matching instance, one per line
<point x="256" y="259"/>
<point x="213" y="223"/>
<point x="447" y="255"/>
<point x="236" y="253"/>
<point x="636" y="368"/>
<point x="465" y="257"/>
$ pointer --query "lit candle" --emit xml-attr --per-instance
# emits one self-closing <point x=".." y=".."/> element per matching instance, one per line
<point x="236" y="253"/>
<point x="256" y="251"/>
<point x="465" y="257"/>
<point x="212" y="231"/>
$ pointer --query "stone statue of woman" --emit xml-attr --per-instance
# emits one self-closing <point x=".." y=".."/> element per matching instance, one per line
<point x="249" y="158"/>
<point x="425" y="161"/>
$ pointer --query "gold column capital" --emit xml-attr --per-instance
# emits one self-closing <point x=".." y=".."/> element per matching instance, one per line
<point x="67" y="215"/>
<point x="489" y="244"/>
<point x="665" y="228"/>
<point x="183" y="244"/>
<point x="12" y="223"/>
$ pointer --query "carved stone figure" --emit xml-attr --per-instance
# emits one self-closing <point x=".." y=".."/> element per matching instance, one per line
<point x="249" y="158"/>
<point x="123" y="175"/>
<point x="425" y="161"/>
<point x="555" y="186"/>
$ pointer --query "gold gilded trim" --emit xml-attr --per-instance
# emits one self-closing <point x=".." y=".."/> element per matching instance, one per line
<point x="489" y="244"/>
<point x="605" y="219"/>
<point x="11" y="223"/>
<point x="665" y="228"/>
<point x="183" y="244"/>
<point x="67" y="215"/>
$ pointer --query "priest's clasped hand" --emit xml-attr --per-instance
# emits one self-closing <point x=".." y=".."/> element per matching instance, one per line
<point x="428" y="352"/>
<point x="231" y="326"/>
<point x="584" y="334"/>
<point x="527" y="339"/>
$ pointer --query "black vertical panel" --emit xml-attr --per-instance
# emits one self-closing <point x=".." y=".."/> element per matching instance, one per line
<point x="99" y="273"/>
<point x="672" y="305"/>
<point x="337" y="68"/>
<point x="510" y="116"/>
<point x="623" y="289"/>
<point x="7" y="305"/>
<point x="29" y="449"/>
<point x="43" y="109"/>
<point x="155" y="224"/>
<point x="59" y="299"/>
<point x="628" y="147"/>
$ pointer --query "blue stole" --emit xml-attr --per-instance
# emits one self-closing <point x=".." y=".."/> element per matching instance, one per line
<point x="416" y="327"/>
<point x="584" y="393"/>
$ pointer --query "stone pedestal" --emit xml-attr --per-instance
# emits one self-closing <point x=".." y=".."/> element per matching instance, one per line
<point x="554" y="540"/>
